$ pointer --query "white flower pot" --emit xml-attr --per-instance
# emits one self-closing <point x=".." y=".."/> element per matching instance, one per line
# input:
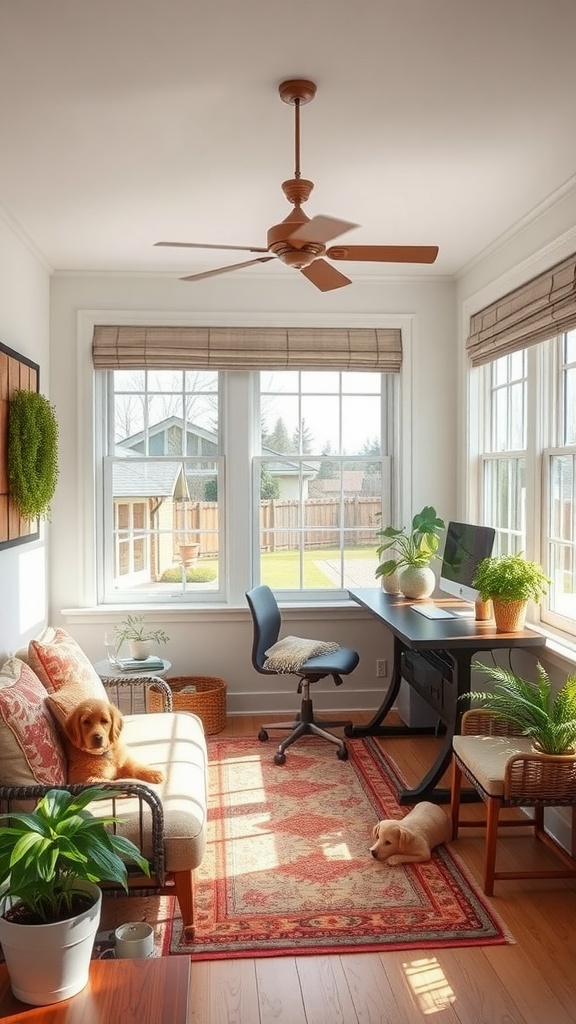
<point x="139" y="649"/>
<point x="50" y="962"/>
<point x="417" y="581"/>
<point x="391" y="583"/>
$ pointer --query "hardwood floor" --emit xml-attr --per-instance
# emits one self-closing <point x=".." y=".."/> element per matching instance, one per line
<point x="530" y="982"/>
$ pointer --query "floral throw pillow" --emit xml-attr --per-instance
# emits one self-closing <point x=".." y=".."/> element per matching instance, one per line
<point x="30" y="748"/>
<point x="59" y="662"/>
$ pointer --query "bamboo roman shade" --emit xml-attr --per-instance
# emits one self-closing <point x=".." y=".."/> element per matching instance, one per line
<point x="247" y="348"/>
<point x="538" y="310"/>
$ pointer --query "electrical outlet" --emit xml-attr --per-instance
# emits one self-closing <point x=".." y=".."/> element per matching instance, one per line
<point x="381" y="668"/>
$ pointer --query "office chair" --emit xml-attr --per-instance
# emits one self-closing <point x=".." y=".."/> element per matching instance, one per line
<point x="267" y="622"/>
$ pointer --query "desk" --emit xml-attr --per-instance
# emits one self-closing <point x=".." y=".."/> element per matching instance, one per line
<point x="118" y="992"/>
<point x="450" y="644"/>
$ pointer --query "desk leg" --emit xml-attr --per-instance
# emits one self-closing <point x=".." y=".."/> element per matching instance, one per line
<point x="427" y="788"/>
<point x="374" y="727"/>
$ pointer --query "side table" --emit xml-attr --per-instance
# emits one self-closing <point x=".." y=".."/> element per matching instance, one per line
<point x="118" y="992"/>
<point x="109" y="673"/>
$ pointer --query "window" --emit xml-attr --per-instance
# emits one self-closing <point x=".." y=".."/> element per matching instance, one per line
<point x="324" y="457"/>
<point x="290" y="465"/>
<point x="528" y="463"/>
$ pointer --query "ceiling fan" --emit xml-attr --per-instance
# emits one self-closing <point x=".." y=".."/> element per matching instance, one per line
<point x="299" y="241"/>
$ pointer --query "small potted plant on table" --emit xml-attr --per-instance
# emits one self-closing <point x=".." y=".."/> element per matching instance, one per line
<point x="139" y="637"/>
<point x="51" y="860"/>
<point x="510" y="581"/>
<point x="412" y="553"/>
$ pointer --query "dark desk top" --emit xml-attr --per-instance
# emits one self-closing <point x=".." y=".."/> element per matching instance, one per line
<point x="461" y="631"/>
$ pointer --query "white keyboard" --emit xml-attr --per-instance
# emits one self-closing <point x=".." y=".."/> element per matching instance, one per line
<point x="432" y="611"/>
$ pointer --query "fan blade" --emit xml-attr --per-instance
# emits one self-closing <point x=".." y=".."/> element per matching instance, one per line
<point x="384" y="253"/>
<point x="201" y="245"/>
<point x="320" y="229"/>
<point x="224" y="270"/>
<point x="324" y="276"/>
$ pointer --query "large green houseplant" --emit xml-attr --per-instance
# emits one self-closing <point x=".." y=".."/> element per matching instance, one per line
<point x="510" y="581"/>
<point x="51" y="861"/>
<point x="549" y="720"/>
<point x="411" y="552"/>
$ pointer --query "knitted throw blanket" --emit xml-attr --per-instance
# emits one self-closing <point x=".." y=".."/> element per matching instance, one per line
<point x="290" y="653"/>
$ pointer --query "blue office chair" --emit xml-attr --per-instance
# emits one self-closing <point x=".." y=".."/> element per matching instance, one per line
<point x="267" y="622"/>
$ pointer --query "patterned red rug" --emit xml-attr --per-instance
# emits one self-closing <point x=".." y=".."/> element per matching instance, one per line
<point x="287" y="870"/>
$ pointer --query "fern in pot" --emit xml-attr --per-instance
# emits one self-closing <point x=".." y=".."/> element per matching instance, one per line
<point x="51" y="861"/>
<point x="510" y="581"/>
<point x="549" y="720"/>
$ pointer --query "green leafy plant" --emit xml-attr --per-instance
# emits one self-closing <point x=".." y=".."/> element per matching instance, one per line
<point x="133" y="627"/>
<point x="510" y="578"/>
<point x="418" y="547"/>
<point x="45" y="852"/>
<point x="549" y="721"/>
<point x="32" y="453"/>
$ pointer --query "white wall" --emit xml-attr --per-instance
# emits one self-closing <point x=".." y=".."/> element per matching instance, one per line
<point x="218" y="643"/>
<point x="24" y="313"/>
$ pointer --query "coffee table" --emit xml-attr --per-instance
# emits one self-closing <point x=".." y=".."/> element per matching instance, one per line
<point x="119" y="992"/>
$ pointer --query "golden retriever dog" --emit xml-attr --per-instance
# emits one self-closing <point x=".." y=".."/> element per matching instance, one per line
<point x="412" y="839"/>
<point x="95" y="753"/>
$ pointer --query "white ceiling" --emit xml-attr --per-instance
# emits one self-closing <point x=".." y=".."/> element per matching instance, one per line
<point x="123" y="122"/>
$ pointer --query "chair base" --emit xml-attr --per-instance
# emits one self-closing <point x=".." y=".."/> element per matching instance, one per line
<point x="305" y="725"/>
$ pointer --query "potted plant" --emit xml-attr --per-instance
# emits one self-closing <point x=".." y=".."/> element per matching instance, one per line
<point x="134" y="631"/>
<point x="549" y="721"/>
<point x="51" y="860"/>
<point x="412" y="553"/>
<point x="510" y="581"/>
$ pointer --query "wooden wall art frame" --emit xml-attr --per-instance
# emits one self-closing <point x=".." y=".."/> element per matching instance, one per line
<point x="17" y="373"/>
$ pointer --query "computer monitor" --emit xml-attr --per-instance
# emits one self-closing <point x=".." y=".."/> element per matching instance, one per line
<point x="466" y="545"/>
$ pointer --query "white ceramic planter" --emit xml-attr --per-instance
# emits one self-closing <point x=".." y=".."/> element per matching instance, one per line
<point x="139" y="649"/>
<point x="417" y="581"/>
<point x="50" y="962"/>
<point x="391" y="583"/>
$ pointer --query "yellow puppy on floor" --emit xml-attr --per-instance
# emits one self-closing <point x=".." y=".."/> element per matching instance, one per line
<point x="411" y="839"/>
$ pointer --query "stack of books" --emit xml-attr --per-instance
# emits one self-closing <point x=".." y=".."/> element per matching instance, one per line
<point x="149" y="664"/>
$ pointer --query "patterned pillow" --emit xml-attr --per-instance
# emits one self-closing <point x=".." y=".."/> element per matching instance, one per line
<point x="30" y="747"/>
<point x="59" y="662"/>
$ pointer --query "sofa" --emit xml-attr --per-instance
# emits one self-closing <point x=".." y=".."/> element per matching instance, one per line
<point x="38" y="688"/>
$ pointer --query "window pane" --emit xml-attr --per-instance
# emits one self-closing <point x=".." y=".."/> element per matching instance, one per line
<point x="319" y="506"/>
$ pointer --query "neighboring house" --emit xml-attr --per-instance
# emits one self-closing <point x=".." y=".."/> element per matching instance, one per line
<point x="165" y="438"/>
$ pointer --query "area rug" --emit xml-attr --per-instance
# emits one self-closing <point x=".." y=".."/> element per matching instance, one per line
<point x="287" y="870"/>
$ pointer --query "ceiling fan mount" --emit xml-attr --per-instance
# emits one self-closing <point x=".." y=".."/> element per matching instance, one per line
<point x="299" y="241"/>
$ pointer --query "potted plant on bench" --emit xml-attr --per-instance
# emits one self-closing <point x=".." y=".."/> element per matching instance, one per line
<point x="51" y="861"/>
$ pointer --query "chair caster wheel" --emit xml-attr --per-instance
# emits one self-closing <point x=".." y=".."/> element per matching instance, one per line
<point x="262" y="735"/>
<point x="349" y="731"/>
<point x="342" y="754"/>
<point x="279" y="758"/>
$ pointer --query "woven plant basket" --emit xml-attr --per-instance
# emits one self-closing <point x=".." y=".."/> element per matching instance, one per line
<point x="208" y="702"/>
<point x="509" y="615"/>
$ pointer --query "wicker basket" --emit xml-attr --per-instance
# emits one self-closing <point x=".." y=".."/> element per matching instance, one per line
<point x="208" y="702"/>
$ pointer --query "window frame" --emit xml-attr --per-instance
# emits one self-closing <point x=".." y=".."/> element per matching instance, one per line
<point x="236" y="553"/>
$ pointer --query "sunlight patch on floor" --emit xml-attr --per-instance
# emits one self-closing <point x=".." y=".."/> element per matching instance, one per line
<point x="429" y="985"/>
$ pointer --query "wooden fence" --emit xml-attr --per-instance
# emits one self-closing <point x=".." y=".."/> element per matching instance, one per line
<point x="281" y="523"/>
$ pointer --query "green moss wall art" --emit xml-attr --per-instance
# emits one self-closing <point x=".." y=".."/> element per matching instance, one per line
<point x="32" y="453"/>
